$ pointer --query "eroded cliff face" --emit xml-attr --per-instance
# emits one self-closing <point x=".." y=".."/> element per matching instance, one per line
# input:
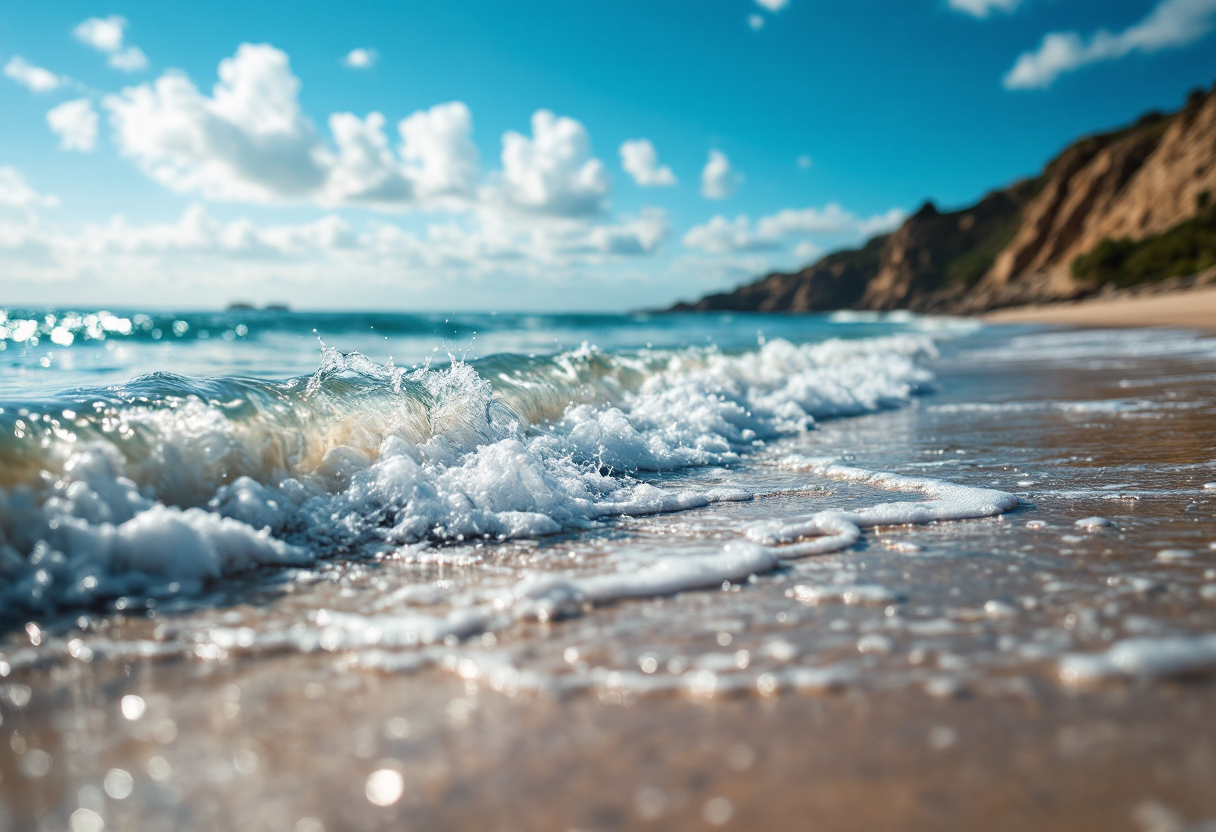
<point x="1015" y="245"/>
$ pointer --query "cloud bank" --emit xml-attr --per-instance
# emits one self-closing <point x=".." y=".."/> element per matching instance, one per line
<point x="769" y="233"/>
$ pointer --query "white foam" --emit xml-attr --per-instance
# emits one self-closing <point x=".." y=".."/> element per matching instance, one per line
<point x="548" y="596"/>
<point x="874" y="594"/>
<point x="835" y="530"/>
<point x="1149" y="658"/>
<point x="185" y="487"/>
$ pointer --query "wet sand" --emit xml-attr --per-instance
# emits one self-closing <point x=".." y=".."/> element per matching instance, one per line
<point x="1034" y="757"/>
<point x="1194" y="309"/>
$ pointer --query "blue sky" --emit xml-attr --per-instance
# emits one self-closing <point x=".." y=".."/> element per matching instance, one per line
<point x="756" y="133"/>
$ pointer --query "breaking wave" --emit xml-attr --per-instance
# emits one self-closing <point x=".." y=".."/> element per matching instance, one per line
<point x="167" y="482"/>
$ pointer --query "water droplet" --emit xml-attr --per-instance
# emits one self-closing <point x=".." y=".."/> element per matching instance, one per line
<point x="133" y="707"/>
<point x="384" y="787"/>
<point x="119" y="784"/>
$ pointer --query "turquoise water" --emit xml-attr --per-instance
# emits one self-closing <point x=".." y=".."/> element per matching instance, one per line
<point x="148" y="453"/>
<point x="49" y="350"/>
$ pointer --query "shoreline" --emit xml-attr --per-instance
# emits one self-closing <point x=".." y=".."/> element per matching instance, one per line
<point x="1193" y="309"/>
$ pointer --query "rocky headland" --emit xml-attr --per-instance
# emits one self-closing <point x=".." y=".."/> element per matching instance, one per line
<point x="1128" y="211"/>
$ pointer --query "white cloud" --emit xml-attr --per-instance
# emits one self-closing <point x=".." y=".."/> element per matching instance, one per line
<point x="199" y="233"/>
<point x="720" y="235"/>
<point x="773" y="5"/>
<point x="105" y="34"/>
<point x="33" y="78"/>
<point x="756" y="22"/>
<point x="131" y="59"/>
<point x="983" y="8"/>
<point x="364" y="170"/>
<point x="16" y="193"/>
<point x="806" y="250"/>
<point x="1173" y="23"/>
<point x="631" y="236"/>
<point x="718" y="179"/>
<point x="75" y="122"/>
<point x="831" y="219"/>
<point x="248" y="142"/>
<point x="197" y="250"/>
<point x="361" y="58"/>
<point x="641" y="161"/>
<point x="554" y="172"/>
<point x="438" y="150"/>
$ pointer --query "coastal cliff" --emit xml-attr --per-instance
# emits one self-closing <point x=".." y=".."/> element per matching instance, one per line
<point x="1131" y="207"/>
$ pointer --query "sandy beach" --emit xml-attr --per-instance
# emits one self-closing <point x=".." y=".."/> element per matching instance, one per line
<point x="1048" y="666"/>
<point x="1194" y="309"/>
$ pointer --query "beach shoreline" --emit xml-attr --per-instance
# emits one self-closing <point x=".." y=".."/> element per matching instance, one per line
<point x="1193" y="309"/>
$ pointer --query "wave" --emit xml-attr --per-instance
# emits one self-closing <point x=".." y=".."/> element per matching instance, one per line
<point x="165" y="483"/>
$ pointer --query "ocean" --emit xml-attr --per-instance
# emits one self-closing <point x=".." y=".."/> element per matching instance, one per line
<point x="214" y="524"/>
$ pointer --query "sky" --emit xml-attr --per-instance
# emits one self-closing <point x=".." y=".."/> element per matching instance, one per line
<point x="535" y="154"/>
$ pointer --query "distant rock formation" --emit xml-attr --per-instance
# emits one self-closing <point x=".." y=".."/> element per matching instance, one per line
<point x="1019" y="244"/>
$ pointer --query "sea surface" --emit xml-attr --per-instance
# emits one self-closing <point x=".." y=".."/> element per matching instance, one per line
<point x="614" y="508"/>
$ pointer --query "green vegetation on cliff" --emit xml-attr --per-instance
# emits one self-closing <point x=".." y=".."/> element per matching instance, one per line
<point x="1187" y="248"/>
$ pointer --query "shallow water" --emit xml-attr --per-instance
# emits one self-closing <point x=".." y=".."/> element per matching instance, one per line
<point x="329" y="588"/>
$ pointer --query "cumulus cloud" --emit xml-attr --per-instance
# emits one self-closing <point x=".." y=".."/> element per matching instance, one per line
<point x="983" y="8"/>
<point x="553" y="172"/>
<point x="641" y="161"/>
<point x="249" y="141"/>
<point x="438" y="151"/>
<point x="106" y="34"/>
<point x="718" y="179"/>
<point x="721" y="236"/>
<point x="15" y="192"/>
<point x="75" y="122"/>
<point x="33" y="78"/>
<point x="360" y="58"/>
<point x="364" y="170"/>
<point x="630" y="236"/>
<point x="1172" y="24"/>
<point x="131" y="59"/>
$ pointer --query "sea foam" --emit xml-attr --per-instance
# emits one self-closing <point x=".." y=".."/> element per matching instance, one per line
<point x="165" y="483"/>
